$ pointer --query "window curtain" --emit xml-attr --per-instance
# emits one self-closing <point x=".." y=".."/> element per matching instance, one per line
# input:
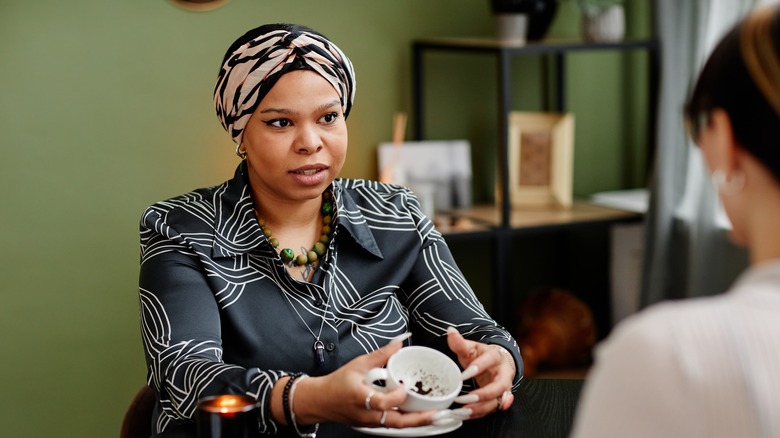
<point x="687" y="250"/>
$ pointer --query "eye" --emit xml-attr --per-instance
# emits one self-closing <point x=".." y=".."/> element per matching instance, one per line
<point x="329" y="118"/>
<point x="278" y="123"/>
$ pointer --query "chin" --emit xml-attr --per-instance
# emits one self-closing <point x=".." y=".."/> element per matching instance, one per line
<point x="316" y="191"/>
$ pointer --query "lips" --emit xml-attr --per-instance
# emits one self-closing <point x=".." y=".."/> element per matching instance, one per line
<point x="309" y="170"/>
<point x="310" y="175"/>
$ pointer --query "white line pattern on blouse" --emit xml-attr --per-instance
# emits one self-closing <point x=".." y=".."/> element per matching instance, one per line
<point x="216" y="232"/>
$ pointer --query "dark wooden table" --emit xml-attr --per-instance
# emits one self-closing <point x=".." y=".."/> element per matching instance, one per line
<point x="543" y="408"/>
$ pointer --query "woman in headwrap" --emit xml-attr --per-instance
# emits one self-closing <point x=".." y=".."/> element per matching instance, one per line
<point x="286" y="272"/>
<point x="708" y="367"/>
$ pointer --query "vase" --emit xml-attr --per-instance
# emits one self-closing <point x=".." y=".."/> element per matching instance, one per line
<point x="511" y="26"/>
<point x="606" y="26"/>
<point x="521" y="20"/>
<point x="540" y="18"/>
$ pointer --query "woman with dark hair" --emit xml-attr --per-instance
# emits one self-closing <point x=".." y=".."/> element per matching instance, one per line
<point x="708" y="367"/>
<point x="286" y="271"/>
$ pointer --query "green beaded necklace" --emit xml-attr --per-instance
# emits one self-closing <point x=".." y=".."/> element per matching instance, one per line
<point x="307" y="257"/>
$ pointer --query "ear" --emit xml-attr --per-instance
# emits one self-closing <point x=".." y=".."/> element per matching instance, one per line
<point x="725" y="154"/>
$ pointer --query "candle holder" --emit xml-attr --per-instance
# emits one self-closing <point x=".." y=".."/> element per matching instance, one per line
<point x="227" y="416"/>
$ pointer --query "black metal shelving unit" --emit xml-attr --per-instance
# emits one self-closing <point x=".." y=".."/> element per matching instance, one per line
<point x="503" y="230"/>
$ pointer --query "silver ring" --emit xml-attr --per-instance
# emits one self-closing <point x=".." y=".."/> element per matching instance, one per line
<point x="368" y="400"/>
<point x="383" y="418"/>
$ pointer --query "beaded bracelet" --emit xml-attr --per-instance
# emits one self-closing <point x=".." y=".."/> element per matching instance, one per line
<point x="312" y="434"/>
<point x="286" y="397"/>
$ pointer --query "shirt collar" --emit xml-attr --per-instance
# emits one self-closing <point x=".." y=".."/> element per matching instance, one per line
<point x="237" y="232"/>
<point x="351" y="219"/>
<point x="767" y="273"/>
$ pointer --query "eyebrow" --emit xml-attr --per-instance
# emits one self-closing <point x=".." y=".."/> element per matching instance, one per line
<point x="320" y="108"/>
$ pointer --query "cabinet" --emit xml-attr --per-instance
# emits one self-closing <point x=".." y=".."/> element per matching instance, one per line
<point x="499" y="223"/>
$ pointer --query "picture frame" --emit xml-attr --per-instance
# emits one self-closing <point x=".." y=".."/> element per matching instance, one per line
<point x="439" y="172"/>
<point x="541" y="158"/>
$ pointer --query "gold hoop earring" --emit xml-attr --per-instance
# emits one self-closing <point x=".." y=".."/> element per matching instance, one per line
<point x="241" y="154"/>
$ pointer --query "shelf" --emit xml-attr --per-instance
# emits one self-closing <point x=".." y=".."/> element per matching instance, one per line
<point x="504" y="51"/>
<point x="515" y="47"/>
<point x="547" y="216"/>
<point x="499" y="223"/>
<point x="485" y="220"/>
<point x="452" y="224"/>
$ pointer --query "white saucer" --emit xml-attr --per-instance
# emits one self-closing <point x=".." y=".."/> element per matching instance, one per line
<point x="430" y="430"/>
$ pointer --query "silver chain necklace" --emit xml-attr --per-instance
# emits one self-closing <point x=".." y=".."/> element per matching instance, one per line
<point x="319" y="346"/>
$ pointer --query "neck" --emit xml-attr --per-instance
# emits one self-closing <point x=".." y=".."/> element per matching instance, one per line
<point x="759" y="212"/>
<point x="296" y="215"/>
<point x="288" y="213"/>
<point x="764" y="236"/>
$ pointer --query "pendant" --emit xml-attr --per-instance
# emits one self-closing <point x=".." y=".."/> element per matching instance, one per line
<point x="319" y="353"/>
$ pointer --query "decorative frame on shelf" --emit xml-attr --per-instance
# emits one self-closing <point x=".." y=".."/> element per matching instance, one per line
<point x="541" y="158"/>
<point x="438" y="171"/>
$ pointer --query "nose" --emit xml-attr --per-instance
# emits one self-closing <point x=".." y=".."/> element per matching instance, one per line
<point x="308" y="140"/>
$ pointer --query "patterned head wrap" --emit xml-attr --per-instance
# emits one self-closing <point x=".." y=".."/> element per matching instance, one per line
<point x="251" y="70"/>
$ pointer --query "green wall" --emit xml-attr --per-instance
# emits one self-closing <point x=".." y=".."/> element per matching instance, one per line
<point x="105" y="107"/>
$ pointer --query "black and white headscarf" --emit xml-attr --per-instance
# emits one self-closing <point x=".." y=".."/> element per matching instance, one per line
<point x="252" y="70"/>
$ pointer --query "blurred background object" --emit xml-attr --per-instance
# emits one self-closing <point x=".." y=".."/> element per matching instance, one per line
<point x="555" y="330"/>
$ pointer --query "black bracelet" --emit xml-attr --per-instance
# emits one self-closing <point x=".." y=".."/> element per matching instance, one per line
<point x="286" y="398"/>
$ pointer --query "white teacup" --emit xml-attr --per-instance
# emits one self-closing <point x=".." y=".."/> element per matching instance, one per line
<point x="432" y="379"/>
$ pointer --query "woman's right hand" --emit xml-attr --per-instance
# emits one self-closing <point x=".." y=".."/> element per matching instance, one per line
<point x="341" y="396"/>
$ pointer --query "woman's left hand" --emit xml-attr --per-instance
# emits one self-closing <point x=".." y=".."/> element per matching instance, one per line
<point x="491" y="368"/>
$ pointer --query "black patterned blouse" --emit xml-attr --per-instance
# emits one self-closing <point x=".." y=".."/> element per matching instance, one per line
<point x="220" y="314"/>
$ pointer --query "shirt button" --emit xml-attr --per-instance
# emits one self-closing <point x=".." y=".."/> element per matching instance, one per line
<point x="330" y="346"/>
<point x="318" y="302"/>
